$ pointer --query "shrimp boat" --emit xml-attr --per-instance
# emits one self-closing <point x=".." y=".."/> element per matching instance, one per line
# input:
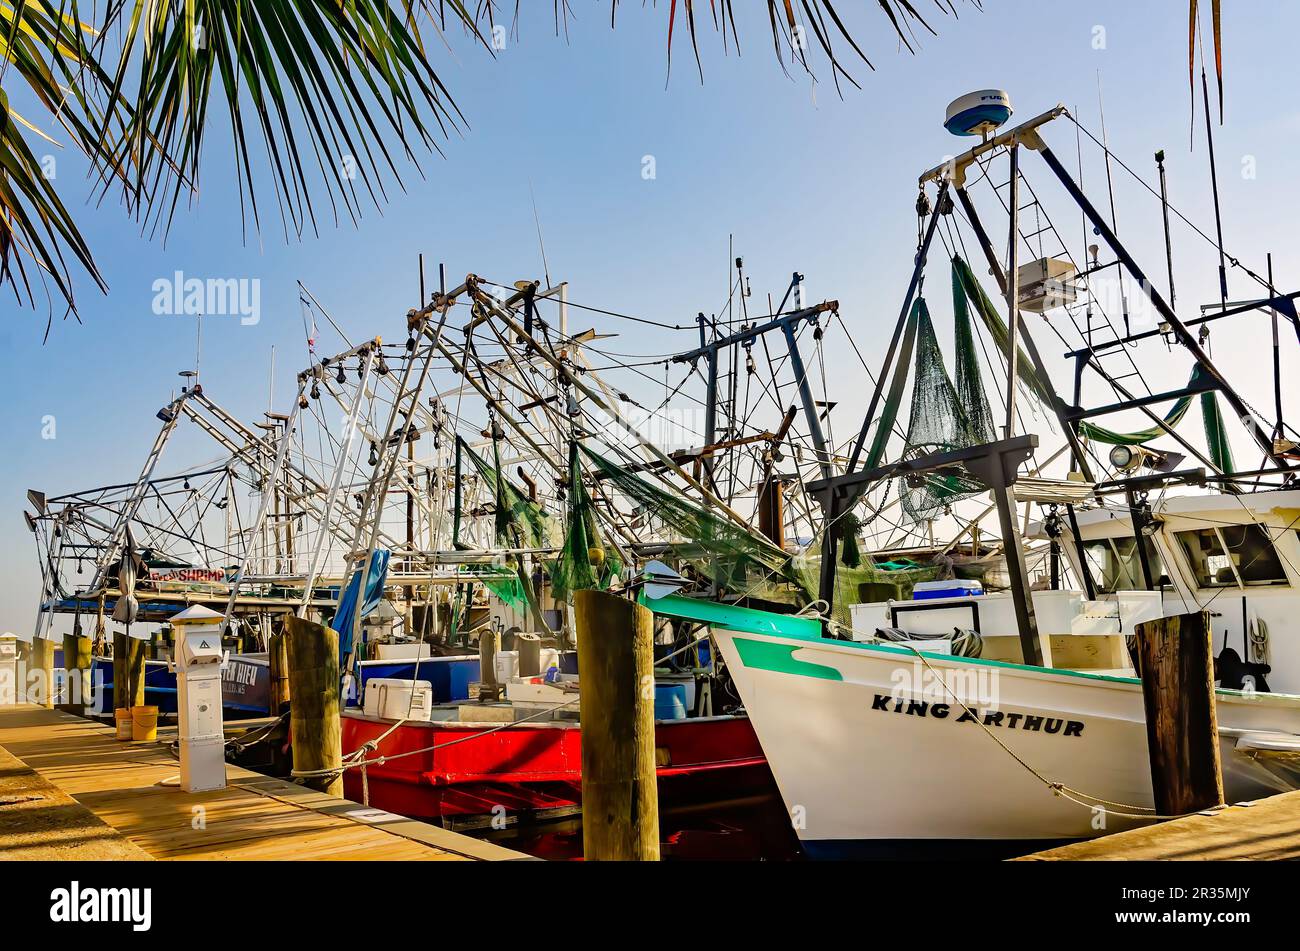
<point x="942" y="719"/>
<point x="441" y="771"/>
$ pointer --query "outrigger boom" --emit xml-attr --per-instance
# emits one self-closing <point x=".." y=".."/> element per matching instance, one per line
<point x="955" y="168"/>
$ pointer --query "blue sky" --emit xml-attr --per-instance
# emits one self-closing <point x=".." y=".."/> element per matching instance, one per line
<point x="803" y="179"/>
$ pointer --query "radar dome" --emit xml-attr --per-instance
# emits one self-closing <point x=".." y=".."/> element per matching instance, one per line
<point x="978" y="113"/>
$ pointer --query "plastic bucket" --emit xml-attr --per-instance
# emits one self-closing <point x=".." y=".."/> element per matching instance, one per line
<point x="123" y="717"/>
<point x="670" y="702"/>
<point x="144" y="723"/>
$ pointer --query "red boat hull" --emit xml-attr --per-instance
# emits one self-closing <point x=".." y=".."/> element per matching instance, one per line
<point x="537" y="767"/>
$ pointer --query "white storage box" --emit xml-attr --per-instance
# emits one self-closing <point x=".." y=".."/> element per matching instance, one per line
<point x="507" y="663"/>
<point x="411" y="651"/>
<point x="390" y="698"/>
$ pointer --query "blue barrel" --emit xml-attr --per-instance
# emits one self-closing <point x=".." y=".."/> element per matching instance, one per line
<point x="670" y="701"/>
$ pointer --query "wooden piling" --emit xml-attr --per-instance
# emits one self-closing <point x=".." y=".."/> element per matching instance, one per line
<point x="277" y="647"/>
<point x="41" y="690"/>
<point x="1176" y="660"/>
<point x="314" y="725"/>
<point x="620" y="797"/>
<point x="128" y="672"/>
<point x="76" y="661"/>
<point x="529" y="647"/>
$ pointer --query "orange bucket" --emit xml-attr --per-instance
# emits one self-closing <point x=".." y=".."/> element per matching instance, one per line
<point x="123" y="717"/>
<point x="144" y="723"/>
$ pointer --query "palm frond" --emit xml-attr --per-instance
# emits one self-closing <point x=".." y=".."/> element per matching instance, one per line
<point x="317" y="96"/>
<point x="1193" y="29"/>
<point x="45" y="48"/>
<point x="791" y="31"/>
<point x="333" y="92"/>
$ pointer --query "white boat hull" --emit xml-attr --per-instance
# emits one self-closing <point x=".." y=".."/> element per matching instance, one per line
<point x="868" y="748"/>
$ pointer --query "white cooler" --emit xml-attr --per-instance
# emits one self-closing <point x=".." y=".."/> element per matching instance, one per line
<point x="391" y="698"/>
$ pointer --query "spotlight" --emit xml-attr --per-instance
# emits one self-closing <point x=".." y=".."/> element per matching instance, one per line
<point x="1132" y="458"/>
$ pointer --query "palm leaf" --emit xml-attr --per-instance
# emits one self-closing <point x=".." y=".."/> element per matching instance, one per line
<point x="1193" y="23"/>
<point x="819" y="16"/>
<point x="1215" y="13"/>
<point x="46" y="49"/>
<point x="320" y="97"/>
<point x="333" y="93"/>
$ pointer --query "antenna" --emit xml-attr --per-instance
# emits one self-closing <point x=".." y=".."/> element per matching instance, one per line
<point x="1110" y="189"/>
<point x="546" y="271"/>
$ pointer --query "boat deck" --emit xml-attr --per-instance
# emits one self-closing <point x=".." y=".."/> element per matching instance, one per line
<point x="1264" y="829"/>
<point x="69" y="789"/>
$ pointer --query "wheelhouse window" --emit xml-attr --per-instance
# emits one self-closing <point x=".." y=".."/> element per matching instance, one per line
<point x="1115" y="566"/>
<point x="1232" y="556"/>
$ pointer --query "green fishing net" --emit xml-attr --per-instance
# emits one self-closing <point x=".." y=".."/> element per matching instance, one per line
<point x="504" y="583"/>
<point x="868" y="581"/>
<point x="1215" y="436"/>
<point x="736" y="558"/>
<point x="587" y="560"/>
<point x="940" y="419"/>
<point x="1041" y="389"/>
<point x="520" y="523"/>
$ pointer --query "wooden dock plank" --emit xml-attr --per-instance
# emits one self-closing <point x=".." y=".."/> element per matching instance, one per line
<point x="39" y="821"/>
<point x="1265" y="829"/>
<point x="128" y="792"/>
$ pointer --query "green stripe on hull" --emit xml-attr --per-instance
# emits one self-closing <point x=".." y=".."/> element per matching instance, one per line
<point x="763" y="655"/>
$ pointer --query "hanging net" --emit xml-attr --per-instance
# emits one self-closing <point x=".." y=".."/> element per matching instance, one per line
<point x="1215" y="436"/>
<point x="971" y="398"/>
<point x="736" y="558"/>
<point x="502" y="582"/>
<point x="520" y="523"/>
<point x="941" y="420"/>
<point x="1041" y="389"/>
<point x="587" y="560"/>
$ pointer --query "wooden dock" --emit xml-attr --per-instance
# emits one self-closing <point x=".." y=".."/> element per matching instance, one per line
<point x="1264" y="829"/>
<point x="70" y="790"/>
